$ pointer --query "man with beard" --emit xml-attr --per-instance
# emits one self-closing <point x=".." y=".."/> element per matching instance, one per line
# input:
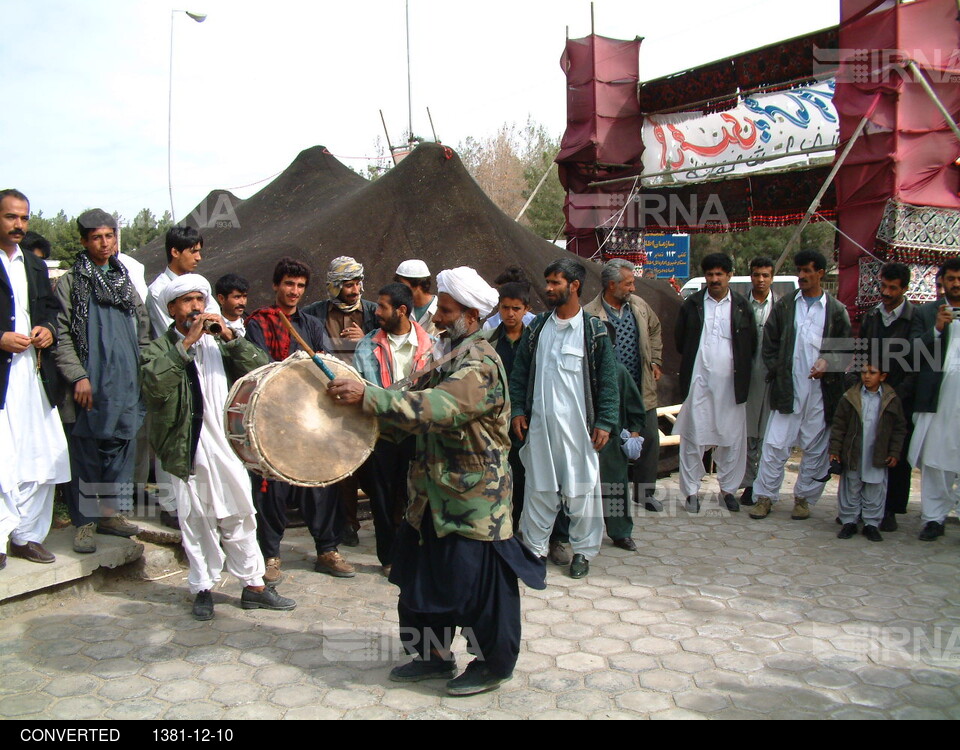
<point x="456" y="560"/>
<point x="34" y="447"/>
<point x="639" y="348"/>
<point x="385" y="356"/>
<point x="565" y="402"/>
<point x="935" y="446"/>
<point x="345" y="318"/>
<point x="100" y="330"/>
<point x="187" y="373"/>
<point x="318" y="505"/>
<point x="231" y="290"/>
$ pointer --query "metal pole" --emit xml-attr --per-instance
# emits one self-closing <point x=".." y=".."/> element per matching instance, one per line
<point x="432" y="129"/>
<point x="535" y="191"/>
<point x="795" y="237"/>
<point x="173" y="213"/>
<point x="591" y="19"/>
<point x="409" y="82"/>
<point x="389" y="146"/>
<point x="921" y="79"/>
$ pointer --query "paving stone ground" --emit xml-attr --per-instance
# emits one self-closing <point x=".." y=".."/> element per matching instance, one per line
<point x="717" y="616"/>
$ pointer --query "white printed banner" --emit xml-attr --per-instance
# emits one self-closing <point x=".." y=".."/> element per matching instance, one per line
<point x="696" y="146"/>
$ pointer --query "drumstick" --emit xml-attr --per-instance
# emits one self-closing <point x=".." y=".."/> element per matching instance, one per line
<point x="303" y="345"/>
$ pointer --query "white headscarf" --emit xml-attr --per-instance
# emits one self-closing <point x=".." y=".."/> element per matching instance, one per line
<point x="467" y="287"/>
<point x="184" y="284"/>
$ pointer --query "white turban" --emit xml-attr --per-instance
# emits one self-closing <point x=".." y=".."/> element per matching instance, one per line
<point x="467" y="287"/>
<point x="185" y="284"/>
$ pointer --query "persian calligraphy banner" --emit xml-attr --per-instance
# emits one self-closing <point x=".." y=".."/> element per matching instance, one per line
<point x="696" y="146"/>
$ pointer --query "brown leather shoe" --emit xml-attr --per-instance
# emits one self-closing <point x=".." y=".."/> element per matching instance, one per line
<point x="332" y="563"/>
<point x="272" y="575"/>
<point x="32" y="551"/>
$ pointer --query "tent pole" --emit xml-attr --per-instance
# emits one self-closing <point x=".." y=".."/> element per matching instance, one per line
<point x="535" y="191"/>
<point x="795" y="237"/>
<point x="925" y="85"/>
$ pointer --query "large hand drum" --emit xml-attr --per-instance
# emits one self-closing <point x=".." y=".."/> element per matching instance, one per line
<point x="282" y="424"/>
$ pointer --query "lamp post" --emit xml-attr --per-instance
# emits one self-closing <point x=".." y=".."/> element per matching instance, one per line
<point x="199" y="18"/>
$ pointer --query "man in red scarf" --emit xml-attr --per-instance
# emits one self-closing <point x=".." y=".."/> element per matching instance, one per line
<point x="318" y="505"/>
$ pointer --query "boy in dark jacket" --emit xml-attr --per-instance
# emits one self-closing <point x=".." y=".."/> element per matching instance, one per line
<point x="867" y="438"/>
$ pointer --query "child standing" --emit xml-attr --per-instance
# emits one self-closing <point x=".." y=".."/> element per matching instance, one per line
<point x="867" y="437"/>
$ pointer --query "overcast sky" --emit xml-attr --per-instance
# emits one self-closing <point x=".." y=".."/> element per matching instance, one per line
<point x="84" y="119"/>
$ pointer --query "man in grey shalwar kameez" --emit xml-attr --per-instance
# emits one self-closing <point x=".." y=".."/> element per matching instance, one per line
<point x="100" y="331"/>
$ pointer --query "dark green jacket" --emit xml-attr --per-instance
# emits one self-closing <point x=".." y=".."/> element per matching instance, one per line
<point x="632" y="417"/>
<point x="846" y="437"/>
<point x="779" y="338"/>
<point x="602" y="395"/>
<point x="166" y="391"/>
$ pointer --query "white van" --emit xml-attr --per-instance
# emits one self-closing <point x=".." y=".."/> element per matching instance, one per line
<point x="781" y="285"/>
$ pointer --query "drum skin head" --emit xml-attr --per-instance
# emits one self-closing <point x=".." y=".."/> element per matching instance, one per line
<point x="299" y="431"/>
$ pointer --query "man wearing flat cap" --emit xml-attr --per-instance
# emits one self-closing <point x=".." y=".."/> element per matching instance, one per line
<point x="456" y="560"/>
<point x="416" y="275"/>
<point x="186" y="375"/>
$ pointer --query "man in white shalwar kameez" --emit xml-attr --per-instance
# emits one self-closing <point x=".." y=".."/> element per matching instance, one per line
<point x="719" y="324"/>
<point x="32" y="443"/>
<point x="935" y="446"/>
<point x="212" y="488"/>
<point x="797" y="335"/>
<point x="561" y="399"/>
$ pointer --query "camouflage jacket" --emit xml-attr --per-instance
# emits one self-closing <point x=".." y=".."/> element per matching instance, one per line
<point x="460" y="414"/>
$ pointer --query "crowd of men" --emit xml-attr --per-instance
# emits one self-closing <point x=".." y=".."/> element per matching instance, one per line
<point x="496" y="424"/>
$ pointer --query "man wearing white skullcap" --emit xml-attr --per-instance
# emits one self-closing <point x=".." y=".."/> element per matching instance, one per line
<point x="456" y="559"/>
<point x="186" y="374"/>
<point x="416" y="275"/>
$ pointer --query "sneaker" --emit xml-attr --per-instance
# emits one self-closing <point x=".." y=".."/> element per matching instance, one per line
<point x="272" y="575"/>
<point x="419" y="670"/>
<point x="872" y="533"/>
<point x="847" y="531"/>
<point x="579" y="567"/>
<point x="203" y="606"/>
<point x="476" y="678"/>
<point x="931" y="530"/>
<point x="558" y="554"/>
<point x="762" y="508"/>
<point x="83" y="541"/>
<point x="889" y="522"/>
<point x="117" y="525"/>
<point x="266" y="599"/>
<point x="332" y="563"/>
<point x="801" y="510"/>
<point x="746" y="497"/>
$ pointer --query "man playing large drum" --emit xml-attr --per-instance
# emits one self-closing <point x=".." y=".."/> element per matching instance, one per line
<point x="186" y="374"/>
<point x="456" y="560"/>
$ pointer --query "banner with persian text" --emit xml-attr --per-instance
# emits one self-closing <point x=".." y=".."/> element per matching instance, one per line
<point x="693" y="146"/>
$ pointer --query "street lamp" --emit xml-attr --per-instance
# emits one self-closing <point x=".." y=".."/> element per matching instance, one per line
<point x="199" y="18"/>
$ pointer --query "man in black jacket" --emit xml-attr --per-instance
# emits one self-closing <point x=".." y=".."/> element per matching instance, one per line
<point x="805" y="352"/>
<point x="717" y="337"/>
<point x="35" y="450"/>
<point x="885" y="332"/>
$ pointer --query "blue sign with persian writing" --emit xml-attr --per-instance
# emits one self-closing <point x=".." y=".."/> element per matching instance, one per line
<point x="668" y="255"/>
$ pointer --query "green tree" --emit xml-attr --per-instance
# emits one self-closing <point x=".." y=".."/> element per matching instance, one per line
<point x="756" y="241"/>
<point x="61" y="232"/>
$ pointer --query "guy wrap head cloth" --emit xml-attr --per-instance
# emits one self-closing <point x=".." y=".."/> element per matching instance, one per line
<point x="342" y="270"/>
<point x="184" y="284"/>
<point x="467" y="287"/>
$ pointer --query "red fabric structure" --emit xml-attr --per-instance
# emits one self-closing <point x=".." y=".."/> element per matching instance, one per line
<point x="603" y="122"/>
<point x="907" y="152"/>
